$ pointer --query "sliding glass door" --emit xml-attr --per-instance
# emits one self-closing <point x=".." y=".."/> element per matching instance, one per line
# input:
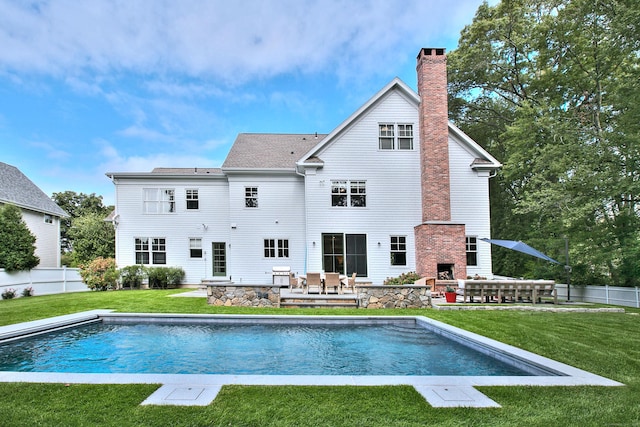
<point x="342" y="252"/>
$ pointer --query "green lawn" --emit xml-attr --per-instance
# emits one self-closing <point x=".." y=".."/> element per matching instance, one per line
<point x="607" y="344"/>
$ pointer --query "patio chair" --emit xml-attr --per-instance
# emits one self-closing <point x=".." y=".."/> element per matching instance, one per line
<point x="294" y="282"/>
<point x="331" y="280"/>
<point x="313" y="280"/>
<point x="351" y="282"/>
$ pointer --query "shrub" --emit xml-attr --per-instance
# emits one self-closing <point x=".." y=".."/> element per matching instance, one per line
<point x="405" y="278"/>
<point x="100" y="274"/>
<point x="27" y="292"/>
<point x="9" y="293"/>
<point x="132" y="276"/>
<point x="163" y="277"/>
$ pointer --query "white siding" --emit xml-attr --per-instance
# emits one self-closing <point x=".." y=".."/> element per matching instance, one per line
<point x="470" y="203"/>
<point x="279" y="215"/>
<point x="47" y="237"/>
<point x="392" y="185"/>
<point x="210" y="222"/>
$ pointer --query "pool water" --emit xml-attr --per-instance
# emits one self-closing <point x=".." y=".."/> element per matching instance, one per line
<point x="262" y="349"/>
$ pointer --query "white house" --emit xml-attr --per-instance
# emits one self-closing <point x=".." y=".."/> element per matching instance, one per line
<point x="39" y="212"/>
<point x="395" y="188"/>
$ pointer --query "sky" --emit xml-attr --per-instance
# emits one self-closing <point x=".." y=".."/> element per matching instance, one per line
<point x="97" y="86"/>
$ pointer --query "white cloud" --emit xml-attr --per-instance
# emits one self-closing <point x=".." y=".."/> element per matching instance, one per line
<point x="233" y="41"/>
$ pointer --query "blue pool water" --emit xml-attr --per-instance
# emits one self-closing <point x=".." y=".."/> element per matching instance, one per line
<point x="267" y="349"/>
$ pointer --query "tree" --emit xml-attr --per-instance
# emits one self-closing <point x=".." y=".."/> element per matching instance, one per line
<point x="93" y="237"/>
<point x="77" y="205"/>
<point x="550" y="87"/>
<point x="17" y="244"/>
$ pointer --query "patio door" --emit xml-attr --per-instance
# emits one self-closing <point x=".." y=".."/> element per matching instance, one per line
<point x="344" y="253"/>
<point x="219" y="251"/>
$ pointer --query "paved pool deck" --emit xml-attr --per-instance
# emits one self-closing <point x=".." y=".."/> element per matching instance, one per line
<point x="181" y="389"/>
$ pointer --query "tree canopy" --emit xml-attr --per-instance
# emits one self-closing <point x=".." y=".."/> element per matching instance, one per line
<point x="550" y="88"/>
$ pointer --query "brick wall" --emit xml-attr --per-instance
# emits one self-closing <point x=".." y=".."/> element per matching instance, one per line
<point x="440" y="244"/>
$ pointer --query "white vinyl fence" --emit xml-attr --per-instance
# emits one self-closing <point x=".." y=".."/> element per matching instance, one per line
<point x="614" y="295"/>
<point x="43" y="281"/>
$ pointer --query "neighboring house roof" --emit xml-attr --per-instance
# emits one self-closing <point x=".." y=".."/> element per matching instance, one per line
<point x="269" y="151"/>
<point x="17" y="189"/>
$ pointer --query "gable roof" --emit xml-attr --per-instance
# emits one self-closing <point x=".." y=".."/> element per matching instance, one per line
<point x="17" y="189"/>
<point x="269" y="151"/>
<point x="483" y="160"/>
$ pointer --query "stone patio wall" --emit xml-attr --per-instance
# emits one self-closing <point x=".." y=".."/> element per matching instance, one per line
<point x="243" y="296"/>
<point x="406" y="296"/>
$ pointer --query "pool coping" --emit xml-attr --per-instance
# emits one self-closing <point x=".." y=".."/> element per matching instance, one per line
<point x="438" y="390"/>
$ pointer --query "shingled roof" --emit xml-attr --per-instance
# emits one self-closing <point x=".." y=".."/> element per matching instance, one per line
<point x="269" y="151"/>
<point x="17" y="189"/>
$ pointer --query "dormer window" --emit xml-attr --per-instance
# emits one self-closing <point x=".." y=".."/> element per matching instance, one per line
<point x="395" y="136"/>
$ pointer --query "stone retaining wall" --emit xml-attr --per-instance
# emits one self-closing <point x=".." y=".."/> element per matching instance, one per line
<point x="243" y="296"/>
<point x="406" y="296"/>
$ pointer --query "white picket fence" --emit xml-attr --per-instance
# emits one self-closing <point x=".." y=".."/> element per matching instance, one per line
<point x="614" y="295"/>
<point x="43" y="281"/>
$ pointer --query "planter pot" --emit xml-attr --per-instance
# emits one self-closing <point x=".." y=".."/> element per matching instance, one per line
<point x="450" y="296"/>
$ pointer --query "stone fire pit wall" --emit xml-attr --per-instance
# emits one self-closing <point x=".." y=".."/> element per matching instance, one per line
<point x="405" y="296"/>
<point x="243" y="296"/>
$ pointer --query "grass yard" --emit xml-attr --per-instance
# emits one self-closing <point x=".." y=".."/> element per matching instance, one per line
<point x="607" y="344"/>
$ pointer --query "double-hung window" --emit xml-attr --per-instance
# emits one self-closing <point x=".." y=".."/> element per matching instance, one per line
<point x="276" y="248"/>
<point x="158" y="253"/>
<point x="159" y="250"/>
<point x="142" y="250"/>
<point x="398" y="250"/>
<point x="195" y="247"/>
<point x="472" y="250"/>
<point x="48" y="219"/>
<point x="159" y="200"/>
<point x="349" y="193"/>
<point x="395" y="136"/>
<point x="192" y="199"/>
<point x="386" y="136"/>
<point x="251" y="197"/>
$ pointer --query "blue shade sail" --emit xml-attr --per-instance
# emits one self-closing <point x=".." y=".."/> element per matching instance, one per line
<point x="520" y="247"/>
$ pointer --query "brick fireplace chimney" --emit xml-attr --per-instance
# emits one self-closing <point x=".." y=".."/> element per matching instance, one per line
<point x="440" y="243"/>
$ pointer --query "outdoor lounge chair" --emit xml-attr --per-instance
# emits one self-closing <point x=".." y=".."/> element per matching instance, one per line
<point x="331" y="280"/>
<point x="313" y="280"/>
<point x="351" y="282"/>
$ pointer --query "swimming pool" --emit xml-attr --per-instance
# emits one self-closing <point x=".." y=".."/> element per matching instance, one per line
<point x="364" y="347"/>
<point x="444" y="389"/>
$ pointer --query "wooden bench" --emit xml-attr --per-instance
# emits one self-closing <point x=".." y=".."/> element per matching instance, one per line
<point x="515" y="290"/>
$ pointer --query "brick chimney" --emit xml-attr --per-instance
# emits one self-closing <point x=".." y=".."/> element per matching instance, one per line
<point x="440" y="244"/>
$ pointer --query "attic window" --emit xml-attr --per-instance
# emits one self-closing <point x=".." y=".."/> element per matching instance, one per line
<point x="48" y="219"/>
<point x="395" y="136"/>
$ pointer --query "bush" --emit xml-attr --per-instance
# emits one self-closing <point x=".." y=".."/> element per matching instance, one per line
<point x="9" y="293"/>
<point x="100" y="274"/>
<point x="27" y="292"/>
<point x="132" y="276"/>
<point x="164" y="277"/>
<point x="405" y="278"/>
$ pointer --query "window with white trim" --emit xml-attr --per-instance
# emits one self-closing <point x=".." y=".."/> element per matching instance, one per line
<point x="273" y="247"/>
<point x="191" y="196"/>
<point x="159" y="250"/>
<point x="398" y="250"/>
<point x="472" y="250"/>
<point x="48" y="219"/>
<point x="157" y="254"/>
<point x="349" y="193"/>
<point x="159" y="200"/>
<point x="250" y="197"/>
<point x="395" y="136"/>
<point x="142" y="250"/>
<point x="195" y="247"/>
